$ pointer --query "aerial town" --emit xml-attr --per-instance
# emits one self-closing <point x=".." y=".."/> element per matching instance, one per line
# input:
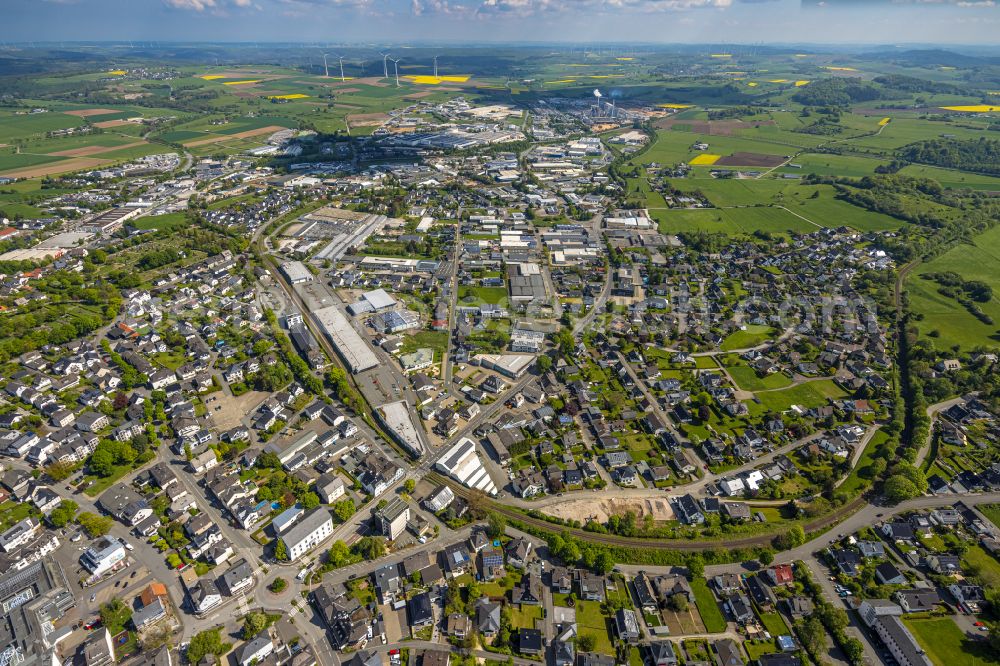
<point x="574" y="378"/>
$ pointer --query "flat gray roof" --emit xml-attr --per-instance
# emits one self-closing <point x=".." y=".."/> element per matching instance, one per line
<point x="350" y="345"/>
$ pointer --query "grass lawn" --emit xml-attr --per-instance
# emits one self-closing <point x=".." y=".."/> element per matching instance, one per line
<point x="525" y="616"/>
<point x="170" y="221"/>
<point x="13" y="512"/>
<point x="756" y="648"/>
<point x="591" y="621"/>
<point x="750" y="337"/>
<point x="945" y="643"/>
<point x="492" y="295"/>
<point x="436" y="340"/>
<point x="708" y="607"/>
<point x="100" y="484"/>
<point x="773" y="623"/>
<point x="807" y="394"/>
<point x="748" y="380"/>
<point x="979" y="563"/>
<point x="991" y="511"/>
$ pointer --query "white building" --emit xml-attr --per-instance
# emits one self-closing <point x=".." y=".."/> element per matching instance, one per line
<point x="103" y="555"/>
<point x="18" y="535"/>
<point x="311" y="530"/>
<point x="463" y="464"/>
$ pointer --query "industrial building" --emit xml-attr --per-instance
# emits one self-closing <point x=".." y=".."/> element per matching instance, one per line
<point x="296" y="272"/>
<point x="396" y="416"/>
<point x="463" y="464"/>
<point x="395" y="321"/>
<point x="110" y="221"/>
<point x="34" y="598"/>
<point x="525" y="282"/>
<point x="348" y="342"/>
<point x="509" y="365"/>
<point x="372" y="301"/>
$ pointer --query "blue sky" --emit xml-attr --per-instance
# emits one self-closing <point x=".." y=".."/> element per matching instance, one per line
<point x="395" y="21"/>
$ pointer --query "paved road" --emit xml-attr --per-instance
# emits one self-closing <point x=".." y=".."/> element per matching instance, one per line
<point x="932" y="411"/>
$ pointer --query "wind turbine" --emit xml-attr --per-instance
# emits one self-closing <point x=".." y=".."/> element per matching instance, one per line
<point x="435" y="67"/>
<point x="341" y="59"/>
<point x="385" y="63"/>
<point x="395" y="64"/>
<point x="326" y="67"/>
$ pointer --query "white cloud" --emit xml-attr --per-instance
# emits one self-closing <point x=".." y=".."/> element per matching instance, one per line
<point x="193" y="5"/>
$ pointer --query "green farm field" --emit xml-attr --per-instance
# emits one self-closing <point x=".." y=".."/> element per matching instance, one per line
<point x="947" y="320"/>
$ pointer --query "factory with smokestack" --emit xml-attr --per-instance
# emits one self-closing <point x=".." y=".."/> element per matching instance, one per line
<point x="606" y="109"/>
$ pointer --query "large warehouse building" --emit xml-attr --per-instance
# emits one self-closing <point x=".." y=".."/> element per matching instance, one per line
<point x="349" y="344"/>
<point x="463" y="464"/>
<point x="296" y="272"/>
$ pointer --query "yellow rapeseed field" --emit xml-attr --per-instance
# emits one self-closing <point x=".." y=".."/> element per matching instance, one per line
<point x="625" y="59"/>
<point x="722" y="55"/>
<point x="562" y="81"/>
<point x="884" y="122"/>
<point x="118" y="72"/>
<point x="778" y="81"/>
<point x="799" y="84"/>
<point x="241" y="83"/>
<point x="211" y="77"/>
<point x="292" y="96"/>
<point x="705" y="159"/>
<point x="675" y="106"/>
<point x="752" y="84"/>
<point x="428" y="80"/>
<point x="977" y="108"/>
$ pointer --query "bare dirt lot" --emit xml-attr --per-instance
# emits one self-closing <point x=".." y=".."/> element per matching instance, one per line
<point x="711" y="127"/>
<point x="95" y="150"/>
<point x="234" y="408"/>
<point x="600" y="509"/>
<point x="418" y="95"/>
<point x="751" y="159"/>
<point x="105" y="124"/>
<point x="270" y="129"/>
<point x="76" y="164"/>
<point x="367" y="119"/>
<point x="86" y="113"/>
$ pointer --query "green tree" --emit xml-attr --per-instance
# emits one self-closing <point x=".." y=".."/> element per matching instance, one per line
<point x="898" y="488"/>
<point x="206" y="643"/>
<point x="59" y="471"/>
<point x="369" y="548"/>
<point x="409" y="486"/>
<point x="95" y="526"/>
<point x="102" y="462"/>
<point x="254" y="623"/>
<point x="63" y="514"/>
<point x="343" y="509"/>
<point x="281" y="551"/>
<point x="115" y="615"/>
<point x="496" y="526"/>
<point x="695" y="566"/>
<point x="278" y="585"/>
<point x="586" y="642"/>
<point x="309" y="501"/>
<point x="604" y="562"/>
<point x="339" y="555"/>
